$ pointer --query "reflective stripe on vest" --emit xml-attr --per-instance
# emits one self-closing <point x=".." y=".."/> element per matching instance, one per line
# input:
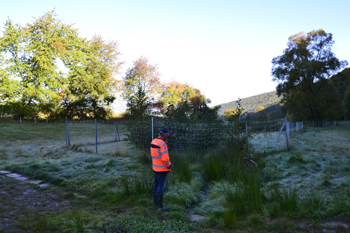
<point x="158" y="165"/>
<point x="159" y="151"/>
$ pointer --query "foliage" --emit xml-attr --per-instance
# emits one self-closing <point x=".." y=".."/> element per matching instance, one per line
<point x="261" y="112"/>
<point x="346" y="103"/>
<point x="187" y="104"/>
<point x="141" y="84"/>
<point x="302" y="73"/>
<point x="237" y="127"/>
<point x="138" y="105"/>
<point x="91" y="90"/>
<point x="33" y="82"/>
<point x="229" y="113"/>
<point x="173" y="94"/>
<point x="341" y="82"/>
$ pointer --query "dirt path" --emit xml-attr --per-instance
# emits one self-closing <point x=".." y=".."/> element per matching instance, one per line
<point x="21" y="204"/>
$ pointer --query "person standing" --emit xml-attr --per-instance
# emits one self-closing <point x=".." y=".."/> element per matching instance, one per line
<point x="161" y="167"/>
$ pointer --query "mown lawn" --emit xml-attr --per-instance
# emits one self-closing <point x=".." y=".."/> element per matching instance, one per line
<point x="280" y="191"/>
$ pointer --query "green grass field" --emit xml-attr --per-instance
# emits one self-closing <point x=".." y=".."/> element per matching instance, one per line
<point x="299" y="190"/>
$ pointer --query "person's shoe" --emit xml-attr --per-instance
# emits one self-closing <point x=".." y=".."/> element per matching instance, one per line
<point x="159" y="203"/>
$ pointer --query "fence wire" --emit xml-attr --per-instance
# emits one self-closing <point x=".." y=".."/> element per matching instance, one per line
<point x="183" y="135"/>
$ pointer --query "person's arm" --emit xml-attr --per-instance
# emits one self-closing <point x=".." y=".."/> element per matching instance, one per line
<point x="165" y="156"/>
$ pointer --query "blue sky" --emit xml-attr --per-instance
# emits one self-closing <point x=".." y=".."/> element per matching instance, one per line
<point x="224" y="48"/>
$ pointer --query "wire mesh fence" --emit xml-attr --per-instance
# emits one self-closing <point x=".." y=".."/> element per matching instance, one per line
<point x="183" y="135"/>
<point x="197" y="136"/>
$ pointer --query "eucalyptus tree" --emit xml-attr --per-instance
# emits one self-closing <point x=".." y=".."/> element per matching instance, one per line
<point x="302" y="72"/>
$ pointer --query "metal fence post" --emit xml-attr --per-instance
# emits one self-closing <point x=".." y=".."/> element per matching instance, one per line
<point x="287" y="133"/>
<point x="246" y="132"/>
<point x="96" y="133"/>
<point x="279" y="135"/>
<point x="116" y="133"/>
<point x="152" y="130"/>
<point x="67" y="135"/>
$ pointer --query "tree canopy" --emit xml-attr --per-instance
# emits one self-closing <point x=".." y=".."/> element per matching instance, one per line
<point x="302" y="72"/>
<point x="184" y="103"/>
<point x="32" y="79"/>
<point x="141" y="87"/>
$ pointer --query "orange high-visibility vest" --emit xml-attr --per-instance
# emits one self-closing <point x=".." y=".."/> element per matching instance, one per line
<point x="160" y="156"/>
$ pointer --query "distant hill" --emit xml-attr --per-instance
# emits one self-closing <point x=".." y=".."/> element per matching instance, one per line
<point x="269" y="100"/>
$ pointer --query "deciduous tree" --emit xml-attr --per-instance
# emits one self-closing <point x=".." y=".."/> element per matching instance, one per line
<point x="346" y="103"/>
<point x="302" y="73"/>
<point x="183" y="103"/>
<point x="32" y="81"/>
<point x="141" y="87"/>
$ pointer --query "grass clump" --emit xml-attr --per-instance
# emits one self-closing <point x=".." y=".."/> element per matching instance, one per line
<point x="141" y="224"/>
<point x="213" y="167"/>
<point x="296" y="157"/>
<point x="287" y="201"/>
<point x="313" y="204"/>
<point x="122" y="189"/>
<point x="247" y="196"/>
<point x="181" y="165"/>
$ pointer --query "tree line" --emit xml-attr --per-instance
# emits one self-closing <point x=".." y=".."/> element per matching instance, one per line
<point x="47" y="68"/>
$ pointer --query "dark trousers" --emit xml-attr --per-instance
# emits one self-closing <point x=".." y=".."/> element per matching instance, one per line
<point x="159" y="182"/>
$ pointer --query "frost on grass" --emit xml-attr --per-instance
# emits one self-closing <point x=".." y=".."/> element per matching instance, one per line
<point x="182" y="193"/>
<point x="318" y="159"/>
<point x="317" y="162"/>
<point x="215" y="201"/>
